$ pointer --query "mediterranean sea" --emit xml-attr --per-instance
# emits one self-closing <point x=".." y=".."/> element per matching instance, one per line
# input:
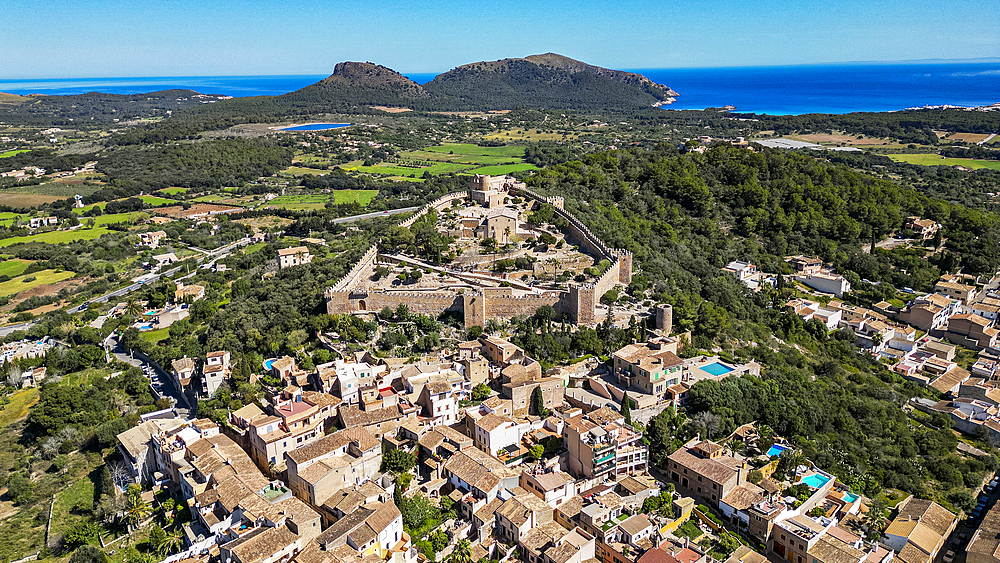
<point x="776" y="90"/>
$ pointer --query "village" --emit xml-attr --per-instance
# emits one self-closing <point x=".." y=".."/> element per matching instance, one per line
<point x="542" y="465"/>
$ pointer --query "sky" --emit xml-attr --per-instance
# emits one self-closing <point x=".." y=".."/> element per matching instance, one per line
<point x="124" y="38"/>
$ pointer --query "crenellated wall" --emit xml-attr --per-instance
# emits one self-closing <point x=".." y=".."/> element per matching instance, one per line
<point x="438" y="204"/>
<point x="352" y="293"/>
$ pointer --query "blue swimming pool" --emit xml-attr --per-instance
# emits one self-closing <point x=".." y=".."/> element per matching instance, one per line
<point x="815" y="480"/>
<point x="716" y="368"/>
<point x="776" y="450"/>
<point x="850" y="497"/>
<point x="147" y="326"/>
<point x="150" y="313"/>
<point x="315" y="127"/>
<point x="267" y="364"/>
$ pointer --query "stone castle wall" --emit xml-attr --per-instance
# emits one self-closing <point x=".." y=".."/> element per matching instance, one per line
<point x="352" y="294"/>
<point x="438" y="204"/>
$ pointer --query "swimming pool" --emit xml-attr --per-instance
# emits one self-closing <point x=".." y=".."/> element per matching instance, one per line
<point x="267" y="364"/>
<point x="776" y="450"/>
<point x="147" y="326"/>
<point x="150" y="313"/>
<point x="315" y="127"/>
<point x="850" y="497"/>
<point x="716" y="368"/>
<point x="815" y="481"/>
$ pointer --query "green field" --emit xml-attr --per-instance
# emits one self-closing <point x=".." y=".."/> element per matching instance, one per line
<point x="44" y="277"/>
<point x="154" y="336"/>
<point x="56" y="237"/>
<point x="18" y="406"/>
<point x="13" y="152"/>
<point x="156" y="201"/>
<point x="466" y="148"/>
<point x="502" y="169"/>
<point x="174" y="191"/>
<point x="57" y="189"/>
<point x="318" y="201"/>
<point x="13" y="267"/>
<point x="938" y="160"/>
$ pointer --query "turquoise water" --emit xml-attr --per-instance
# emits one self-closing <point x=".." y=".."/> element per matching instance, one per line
<point x="147" y="326"/>
<point x="775" y="450"/>
<point x="316" y="127"/>
<point x="716" y="368"/>
<point x="850" y="497"/>
<point x="150" y="313"/>
<point x="267" y="364"/>
<point x="815" y="480"/>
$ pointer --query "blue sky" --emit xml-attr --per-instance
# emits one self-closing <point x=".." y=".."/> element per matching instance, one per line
<point x="93" y="38"/>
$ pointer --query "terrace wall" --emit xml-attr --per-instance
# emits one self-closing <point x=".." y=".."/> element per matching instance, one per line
<point x="438" y="204"/>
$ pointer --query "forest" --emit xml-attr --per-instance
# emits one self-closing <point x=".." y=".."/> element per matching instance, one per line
<point x="685" y="216"/>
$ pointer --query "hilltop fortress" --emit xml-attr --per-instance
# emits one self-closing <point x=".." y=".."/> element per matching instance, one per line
<point x="482" y="296"/>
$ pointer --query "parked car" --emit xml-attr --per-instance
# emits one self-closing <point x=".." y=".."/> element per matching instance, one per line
<point x="949" y="556"/>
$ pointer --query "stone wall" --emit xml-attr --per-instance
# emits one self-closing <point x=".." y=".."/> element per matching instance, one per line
<point x="352" y="294"/>
<point x="438" y="204"/>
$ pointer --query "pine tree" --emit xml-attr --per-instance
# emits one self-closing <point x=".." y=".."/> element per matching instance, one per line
<point x="626" y="412"/>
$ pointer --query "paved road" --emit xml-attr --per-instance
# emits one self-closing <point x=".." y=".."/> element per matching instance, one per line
<point x="152" y="371"/>
<point x="4" y="331"/>
<point x="374" y="215"/>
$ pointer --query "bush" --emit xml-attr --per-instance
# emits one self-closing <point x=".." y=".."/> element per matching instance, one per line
<point x="19" y="488"/>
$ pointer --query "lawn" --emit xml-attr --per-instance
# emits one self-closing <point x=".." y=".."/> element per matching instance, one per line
<point x="18" y="406"/>
<point x="502" y="169"/>
<point x="211" y="198"/>
<point x="44" y="277"/>
<point x="154" y="336"/>
<point x="13" y="267"/>
<point x="13" y="152"/>
<point x="7" y="219"/>
<point x="938" y="160"/>
<point x="466" y="148"/>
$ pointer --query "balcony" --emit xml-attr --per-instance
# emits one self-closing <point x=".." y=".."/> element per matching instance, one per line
<point x="607" y="457"/>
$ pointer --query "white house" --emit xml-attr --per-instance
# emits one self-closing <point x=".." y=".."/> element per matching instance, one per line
<point x="826" y="283"/>
<point x="493" y="433"/>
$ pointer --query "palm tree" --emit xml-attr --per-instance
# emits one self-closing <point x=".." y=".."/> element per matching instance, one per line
<point x="132" y="307"/>
<point x="462" y="552"/>
<point x="173" y="543"/>
<point x="136" y="509"/>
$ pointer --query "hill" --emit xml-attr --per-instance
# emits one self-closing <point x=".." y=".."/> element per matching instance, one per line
<point x="6" y="98"/>
<point x="548" y="81"/>
<point x="39" y="109"/>
<point x="354" y="83"/>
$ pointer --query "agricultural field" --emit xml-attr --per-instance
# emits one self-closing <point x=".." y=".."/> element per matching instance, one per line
<point x="503" y="169"/>
<point x="174" y="191"/>
<point x="938" y="160"/>
<point x="56" y="237"/>
<point x="22" y="283"/>
<point x="532" y="135"/>
<point x="210" y="198"/>
<point x="318" y="201"/>
<point x="13" y="152"/>
<point x="155" y="200"/>
<point x="453" y="158"/>
<point x="12" y="267"/>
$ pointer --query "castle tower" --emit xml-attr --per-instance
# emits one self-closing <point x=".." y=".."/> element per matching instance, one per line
<point x="665" y="318"/>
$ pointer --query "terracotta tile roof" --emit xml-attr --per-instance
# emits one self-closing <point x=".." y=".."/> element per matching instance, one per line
<point x="477" y="468"/>
<point x="263" y="545"/>
<point x="742" y="498"/>
<point x="709" y="468"/>
<point x="351" y="415"/>
<point x="829" y="549"/>
<point x="635" y="524"/>
<point x="487" y="512"/>
<point x="360" y="437"/>
<point x="492" y="421"/>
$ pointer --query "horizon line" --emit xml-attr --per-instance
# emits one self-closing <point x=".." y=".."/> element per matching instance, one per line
<point x="984" y="60"/>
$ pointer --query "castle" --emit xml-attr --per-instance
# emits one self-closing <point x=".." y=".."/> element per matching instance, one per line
<point x="482" y="302"/>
